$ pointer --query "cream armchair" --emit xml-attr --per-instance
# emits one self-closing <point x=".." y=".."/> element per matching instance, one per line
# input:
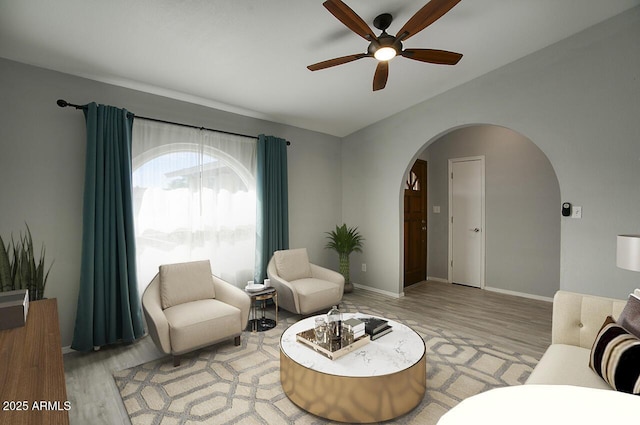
<point x="303" y="288"/>
<point x="187" y="308"/>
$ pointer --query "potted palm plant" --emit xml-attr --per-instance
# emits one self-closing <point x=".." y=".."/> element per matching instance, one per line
<point x="345" y="240"/>
<point x="19" y="268"/>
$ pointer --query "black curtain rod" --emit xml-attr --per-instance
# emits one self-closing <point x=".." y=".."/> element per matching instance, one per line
<point x="63" y="104"/>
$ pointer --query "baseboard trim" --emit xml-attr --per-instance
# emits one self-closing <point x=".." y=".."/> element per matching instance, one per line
<point x="67" y="350"/>
<point x="519" y="294"/>
<point x="378" y="291"/>
<point x="437" y="279"/>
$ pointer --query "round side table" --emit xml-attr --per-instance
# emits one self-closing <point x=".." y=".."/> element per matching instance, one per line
<point x="262" y="324"/>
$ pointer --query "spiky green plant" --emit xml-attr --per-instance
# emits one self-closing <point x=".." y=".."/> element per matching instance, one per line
<point x="19" y="268"/>
<point x="6" y="279"/>
<point x="345" y="240"/>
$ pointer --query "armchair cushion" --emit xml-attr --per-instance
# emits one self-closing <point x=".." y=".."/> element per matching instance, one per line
<point x="292" y="264"/>
<point x="315" y="294"/>
<point x="184" y="282"/>
<point x="200" y="323"/>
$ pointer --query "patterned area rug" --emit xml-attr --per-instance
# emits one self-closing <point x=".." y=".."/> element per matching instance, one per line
<point x="225" y="384"/>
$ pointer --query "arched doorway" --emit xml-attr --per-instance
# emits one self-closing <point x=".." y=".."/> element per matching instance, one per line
<point x="522" y="209"/>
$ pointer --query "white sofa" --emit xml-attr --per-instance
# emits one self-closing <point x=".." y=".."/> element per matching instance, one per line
<point x="577" y="319"/>
<point x="566" y="390"/>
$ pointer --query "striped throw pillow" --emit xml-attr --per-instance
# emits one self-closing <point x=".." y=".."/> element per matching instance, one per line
<point x="615" y="356"/>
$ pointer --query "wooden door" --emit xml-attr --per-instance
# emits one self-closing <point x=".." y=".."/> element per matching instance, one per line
<point x="415" y="224"/>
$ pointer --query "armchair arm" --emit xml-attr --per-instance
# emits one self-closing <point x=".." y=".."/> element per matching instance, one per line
<point x="287" y="296"/>
<point x="323" y="273"/>
<point x="234" y="296"/>
<point x="154" y="315"/>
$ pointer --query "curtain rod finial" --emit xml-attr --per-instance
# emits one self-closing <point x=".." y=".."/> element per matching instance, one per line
<point x="62" y="103"/>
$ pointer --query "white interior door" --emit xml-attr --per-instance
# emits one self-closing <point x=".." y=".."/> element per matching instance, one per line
<point x="466" y="221"/>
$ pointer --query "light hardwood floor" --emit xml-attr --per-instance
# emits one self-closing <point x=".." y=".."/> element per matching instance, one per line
<point x="517" y="323"/>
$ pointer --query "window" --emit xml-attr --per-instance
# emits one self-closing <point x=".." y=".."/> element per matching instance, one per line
<point x="412" y="183"/>
<point x="194" y="198"/>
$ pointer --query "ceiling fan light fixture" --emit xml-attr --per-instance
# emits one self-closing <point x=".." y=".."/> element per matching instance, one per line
<point x="386" y="47"/>
<point x="385" y="53"/>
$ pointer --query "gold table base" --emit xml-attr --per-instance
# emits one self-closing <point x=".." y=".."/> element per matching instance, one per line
<point x="354" y="399"/>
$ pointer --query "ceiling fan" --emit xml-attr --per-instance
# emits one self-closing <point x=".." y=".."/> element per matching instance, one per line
<point x="385" y="47"/>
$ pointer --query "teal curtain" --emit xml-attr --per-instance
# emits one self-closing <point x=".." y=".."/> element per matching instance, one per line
<point x="272" y="221"/>
<point x="108" y="302"/>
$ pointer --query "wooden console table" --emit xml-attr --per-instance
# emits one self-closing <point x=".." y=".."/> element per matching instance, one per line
<point x="32" y="385"/>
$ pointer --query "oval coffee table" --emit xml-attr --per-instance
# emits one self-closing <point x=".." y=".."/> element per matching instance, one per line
<point x="379" y="381"/>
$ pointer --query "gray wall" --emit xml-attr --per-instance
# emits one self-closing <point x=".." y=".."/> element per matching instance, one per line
<point x="577" y="100"/>
<point x="522" y="208"/>
<point x="42" y="167"/>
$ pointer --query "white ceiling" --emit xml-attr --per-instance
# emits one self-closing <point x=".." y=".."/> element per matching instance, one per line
<point x="250" y="56"/>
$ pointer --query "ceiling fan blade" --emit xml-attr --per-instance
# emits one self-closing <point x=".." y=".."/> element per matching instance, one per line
<point x="336" y="61"/>
<point x="349" y="18"/>
<point x="424" y="17"/>
<point x="381" y="75"/>
<point x="441" y="57"/>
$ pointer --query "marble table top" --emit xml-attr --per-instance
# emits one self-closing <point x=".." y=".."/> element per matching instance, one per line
<point x="393" y="352"/>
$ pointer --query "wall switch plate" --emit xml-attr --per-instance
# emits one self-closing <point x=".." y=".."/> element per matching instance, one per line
<point x="576" y="212"/>
<point x="436" y="209"/>
<point x="364" y="267"/>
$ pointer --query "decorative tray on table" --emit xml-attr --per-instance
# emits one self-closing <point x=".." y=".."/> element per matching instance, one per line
<point x="333" y="350"/>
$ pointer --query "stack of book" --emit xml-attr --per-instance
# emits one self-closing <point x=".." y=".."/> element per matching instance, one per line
<point x="376" y="327"/>
<point x="356" y="326"/>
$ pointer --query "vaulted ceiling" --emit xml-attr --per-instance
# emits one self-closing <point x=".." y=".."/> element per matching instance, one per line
<point x="250" y="56"/>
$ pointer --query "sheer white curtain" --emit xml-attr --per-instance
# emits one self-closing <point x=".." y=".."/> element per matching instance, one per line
<point x="194" y="198"/>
